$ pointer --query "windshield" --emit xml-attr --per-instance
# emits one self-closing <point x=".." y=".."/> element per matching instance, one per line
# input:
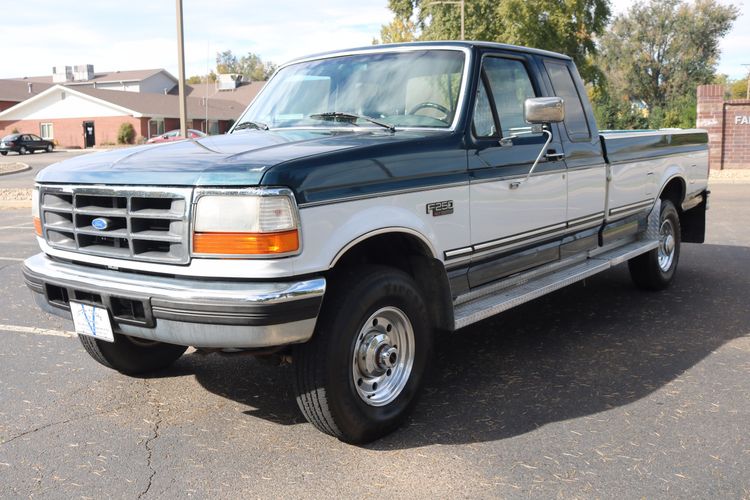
<point x="402" y="89"/>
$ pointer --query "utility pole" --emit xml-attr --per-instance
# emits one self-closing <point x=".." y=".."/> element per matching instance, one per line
<point x="453" y="2"/>
<point x="181" y="71"/>
<point x="747" y="96"/>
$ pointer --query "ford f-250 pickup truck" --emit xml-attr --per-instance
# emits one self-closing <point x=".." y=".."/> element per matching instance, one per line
<point x="366" y="200"/>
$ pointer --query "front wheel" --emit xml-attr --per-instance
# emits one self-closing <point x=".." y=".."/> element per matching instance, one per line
<point x="49" y="148"/>
<point x="656" y="269"/>
<point x="359" y="376"/>
<point x="130" y="355"/>
<point x="22" y="150"/>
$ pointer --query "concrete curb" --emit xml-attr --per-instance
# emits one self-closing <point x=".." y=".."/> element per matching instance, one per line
<point x="22" y="167"/>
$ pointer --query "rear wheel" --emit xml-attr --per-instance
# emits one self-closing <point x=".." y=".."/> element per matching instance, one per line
<point x="130" y="355"/>
<point x="3" y="153"/>
<point x="656" y="269"/>
<point x="359" y="376"/>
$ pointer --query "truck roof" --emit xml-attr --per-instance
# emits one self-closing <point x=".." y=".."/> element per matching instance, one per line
<point x="427" y="45"/>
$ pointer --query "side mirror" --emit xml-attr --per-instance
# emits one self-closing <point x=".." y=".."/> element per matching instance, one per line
<point x="540" y="110"/>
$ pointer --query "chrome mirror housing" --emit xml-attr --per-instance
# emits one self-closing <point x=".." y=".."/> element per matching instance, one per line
<point x="540" y="110"/>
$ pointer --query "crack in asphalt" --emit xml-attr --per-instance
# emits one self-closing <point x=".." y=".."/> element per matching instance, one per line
<point x="148" y="443"/>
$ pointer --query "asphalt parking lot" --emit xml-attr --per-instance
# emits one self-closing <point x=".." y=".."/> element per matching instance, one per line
<point x="597" y="390"/>
<point x="36" y="161"/>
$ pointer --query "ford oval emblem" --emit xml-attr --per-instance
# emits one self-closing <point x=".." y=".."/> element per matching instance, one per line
<point x="100" y="223"/>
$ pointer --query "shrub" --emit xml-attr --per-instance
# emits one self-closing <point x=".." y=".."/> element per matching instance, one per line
<point x="126" y="134"/>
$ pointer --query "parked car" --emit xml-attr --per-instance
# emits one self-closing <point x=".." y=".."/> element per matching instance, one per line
<point x="174" y="135"/>
<point x="364" y="202"/>
<point x="24" y="143"/>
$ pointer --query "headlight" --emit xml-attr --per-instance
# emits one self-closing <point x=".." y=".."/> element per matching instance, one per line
<point x="250" y="222"/>
<point x="35" y="212"/>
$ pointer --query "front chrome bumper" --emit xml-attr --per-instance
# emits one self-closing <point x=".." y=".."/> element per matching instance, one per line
<point x="217" y="313"/>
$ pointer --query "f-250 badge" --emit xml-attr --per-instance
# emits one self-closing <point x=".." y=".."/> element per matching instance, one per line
<point x="440" y="208"/>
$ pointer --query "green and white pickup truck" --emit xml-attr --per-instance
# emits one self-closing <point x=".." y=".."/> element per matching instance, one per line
<point x="365" y="201"/>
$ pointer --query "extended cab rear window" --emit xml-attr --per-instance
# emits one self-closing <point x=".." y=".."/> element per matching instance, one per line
<point x="576" y="124"/>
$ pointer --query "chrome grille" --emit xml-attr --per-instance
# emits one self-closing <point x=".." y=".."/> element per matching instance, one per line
<point x="145" y="224"/>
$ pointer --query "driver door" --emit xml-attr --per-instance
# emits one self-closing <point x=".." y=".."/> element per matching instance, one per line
<point x="512" y="223"/>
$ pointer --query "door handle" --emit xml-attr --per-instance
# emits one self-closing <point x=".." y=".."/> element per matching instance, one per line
<point x="553" y="156"/>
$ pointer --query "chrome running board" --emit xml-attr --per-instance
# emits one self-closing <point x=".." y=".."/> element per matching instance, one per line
<point x="495" y="298"/>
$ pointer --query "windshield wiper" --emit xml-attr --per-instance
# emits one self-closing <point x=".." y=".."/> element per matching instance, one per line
<point x="349" y="117"/>
<point x="251" y="125"/>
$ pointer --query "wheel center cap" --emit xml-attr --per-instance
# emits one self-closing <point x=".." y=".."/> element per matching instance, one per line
<point x="387" y="356"/>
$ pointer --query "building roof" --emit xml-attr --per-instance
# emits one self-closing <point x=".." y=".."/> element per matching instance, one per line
<point x="243" y="94"/>
<point x="145" y="104"/>
<point x="152" y="104"/>
<point x="135" y="75"/>
<point x="17" y="91"/>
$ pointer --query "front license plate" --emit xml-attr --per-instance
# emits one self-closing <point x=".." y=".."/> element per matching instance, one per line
<point x="92" y="321"/>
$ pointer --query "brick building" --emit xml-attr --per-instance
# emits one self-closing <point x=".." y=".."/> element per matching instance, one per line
<point x="728" y="126"/>
<point x="86" y="116"/>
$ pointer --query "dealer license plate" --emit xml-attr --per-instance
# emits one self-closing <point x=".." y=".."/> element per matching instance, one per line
<point x="92" y="321"/>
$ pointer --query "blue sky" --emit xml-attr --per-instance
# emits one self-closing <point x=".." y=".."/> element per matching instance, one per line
<point x="140" y="34"/>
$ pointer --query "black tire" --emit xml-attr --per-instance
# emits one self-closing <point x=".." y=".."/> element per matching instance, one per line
<point x="132" y="356"/>
<point x="49" y="148"/>
<point x="22" y="150"/>
<point x="325" y="388"/>
<point x="646" y="270"/>
<point x="3" y="153"/>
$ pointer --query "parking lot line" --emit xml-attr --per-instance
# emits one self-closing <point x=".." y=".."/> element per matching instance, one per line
<point x="17" y="227"/>
<point x="14" y="259"/>
<point x="37" y="331"/>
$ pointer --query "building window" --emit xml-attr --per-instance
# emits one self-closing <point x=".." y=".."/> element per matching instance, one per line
<point x="46" y="131"/>
<point x="213" y="127"/>
<point x="155" y="127"/>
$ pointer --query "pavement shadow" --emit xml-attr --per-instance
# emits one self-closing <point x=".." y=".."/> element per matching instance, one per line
<point x="585" y="349"/>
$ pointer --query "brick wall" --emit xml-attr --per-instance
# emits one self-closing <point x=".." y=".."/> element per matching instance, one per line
<point x="728" y="125"/>
<point x="68" y="132"/>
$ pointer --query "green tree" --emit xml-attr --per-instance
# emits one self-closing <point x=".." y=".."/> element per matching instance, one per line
<point x="660" y="51"/>
<point x="567" y="26"/>
<point x="251" y="66"/>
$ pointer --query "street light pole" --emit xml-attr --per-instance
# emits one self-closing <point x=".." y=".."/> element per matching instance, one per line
<point x="453" y="2"/>
<point x="181" y="71"/>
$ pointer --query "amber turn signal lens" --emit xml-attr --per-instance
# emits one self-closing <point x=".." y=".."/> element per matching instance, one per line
<point x="245" y="243"/>
<point x="38" y="226"/>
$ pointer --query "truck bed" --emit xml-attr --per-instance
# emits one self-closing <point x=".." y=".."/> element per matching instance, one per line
<point x="632" y="145"/>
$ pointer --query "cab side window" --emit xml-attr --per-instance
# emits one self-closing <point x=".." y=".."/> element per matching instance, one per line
<point x="484" y="120"/>
<point x="504" y="87"/>
<point x="575" y="122"/>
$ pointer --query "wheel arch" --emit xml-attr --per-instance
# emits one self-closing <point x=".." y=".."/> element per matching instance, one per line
<point x="411" y="252"/>
<point x="674" y="189"/>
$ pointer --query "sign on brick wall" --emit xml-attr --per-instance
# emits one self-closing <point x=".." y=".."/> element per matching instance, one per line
<point x="728" y="127"/>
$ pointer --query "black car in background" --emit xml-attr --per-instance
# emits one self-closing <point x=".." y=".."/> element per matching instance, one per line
<point x="24" y="143"/>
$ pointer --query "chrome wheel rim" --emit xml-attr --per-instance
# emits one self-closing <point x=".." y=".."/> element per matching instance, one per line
<point x="667" y="244"/>
<point x="383" y="356"/>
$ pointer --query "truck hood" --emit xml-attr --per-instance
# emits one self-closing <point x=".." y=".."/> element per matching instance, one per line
<point x="238" y="159"/>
